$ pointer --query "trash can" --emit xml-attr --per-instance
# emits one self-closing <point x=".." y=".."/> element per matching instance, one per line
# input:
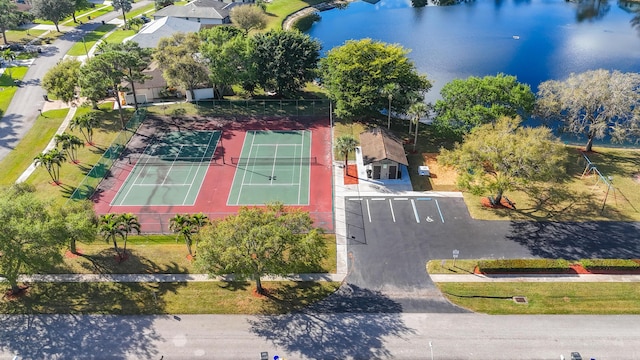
<point x="88" y="17"/>
<point x="102" y="22"/>
<point x="46" y="98"/>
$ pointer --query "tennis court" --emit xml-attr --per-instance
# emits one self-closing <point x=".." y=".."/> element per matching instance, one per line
<point x="273" y="166"/>
<point x="170" y="170"/>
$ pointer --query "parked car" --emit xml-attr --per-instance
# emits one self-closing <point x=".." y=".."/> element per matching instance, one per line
<point x="144" y="18"/>
<point x="12" y="47"/>
<point x="576" y="356"/>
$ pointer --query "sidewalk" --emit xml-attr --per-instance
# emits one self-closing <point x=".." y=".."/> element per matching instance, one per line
<point x="163" y="278"/>
<point x="535" y="278"/>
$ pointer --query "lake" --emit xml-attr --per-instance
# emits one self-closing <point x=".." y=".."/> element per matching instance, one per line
<point x="535" y="40"/>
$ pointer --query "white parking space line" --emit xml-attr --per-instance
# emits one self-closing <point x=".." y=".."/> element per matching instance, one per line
<point x="400" y="199"/>
<point x="355" y="199"/>
<point x="393" y="215"/>
<point x="378" y="199"/>
<point x="439" y="212"/>
<point x="368" y="210"/>
<point x="415" y="211"/>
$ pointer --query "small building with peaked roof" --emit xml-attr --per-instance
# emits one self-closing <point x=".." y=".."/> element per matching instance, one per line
<point x="383" y="154"/>
<point x="206" y="12"/>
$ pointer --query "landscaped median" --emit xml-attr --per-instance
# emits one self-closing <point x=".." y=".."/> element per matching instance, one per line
<point x="560" y="296"/>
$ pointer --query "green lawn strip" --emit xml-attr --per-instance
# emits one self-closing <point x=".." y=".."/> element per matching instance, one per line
<point x="34" y="142"/>
<point x="514" y="266"/>
<point x="72" y="174"/>
<point x="117" y="36"/>
<point x="579" y="198"/>
<point x="8" y="86"/>
<point x="78" y="49"/>
<point x="180" y="3"/>
<point x="156" y="254"/>
<point x="448" y="267"/>
<point x="166" y="298"/>
<point x="133" y="13"/>
<point x="23" y="36"/>
<point x="352" y="128"/>
<point x="84" y="14"/>
<point x="605" y="298"/>
<point x="278" y="10"/>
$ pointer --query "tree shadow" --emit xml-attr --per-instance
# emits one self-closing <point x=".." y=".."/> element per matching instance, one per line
<point x="578" y="240"/>
<point x="235" y="285"/>
<point x="107" y="262"/>
<point x="33" y="329"/>
<point x="323" y="331"/>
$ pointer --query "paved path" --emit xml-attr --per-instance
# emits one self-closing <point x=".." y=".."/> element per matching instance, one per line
<point x="164" y="278"/>
<point x="534" y="278"/>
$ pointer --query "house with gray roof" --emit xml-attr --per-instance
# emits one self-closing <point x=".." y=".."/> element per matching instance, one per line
<point x="150" y="34"/>
<point x="206" y="12"/>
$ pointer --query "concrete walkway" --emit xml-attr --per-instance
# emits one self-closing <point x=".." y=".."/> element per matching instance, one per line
<point x="535" y="278"/>
<point x="164" y="278"/>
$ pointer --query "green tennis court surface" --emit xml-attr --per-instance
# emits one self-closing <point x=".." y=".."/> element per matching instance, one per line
<point x="170" y="171"/>
<point x="273" y="166"/>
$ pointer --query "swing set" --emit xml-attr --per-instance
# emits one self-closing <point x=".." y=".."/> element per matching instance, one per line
<point x="591" y="169"/>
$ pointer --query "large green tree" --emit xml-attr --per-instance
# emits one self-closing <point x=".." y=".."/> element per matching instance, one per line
<point x="285" y="60"/>
<point x="62" y="79"/>
<point x="229" y="55"/>
<point x="258" y="241"/>
<point x="53" y="10"/>
<point x="503" y="156"/>
<point x="9" y="17"/>
<point x="594" y="104"/>
<point x="467" y="103"/>
<point x="32" y="234"/>
<point x="80" y="5"/>
<point x="248" y="17"/>
<point x="80" y="221"/>
<point x="124" y="6"/>
<point x="181" y="62"/>
<point x="356" y="73"/>
<point x="130" y="60"/>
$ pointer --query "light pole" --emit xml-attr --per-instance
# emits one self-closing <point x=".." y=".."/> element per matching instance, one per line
<point x="431" y="348"/>
<point x="85" y="47"/>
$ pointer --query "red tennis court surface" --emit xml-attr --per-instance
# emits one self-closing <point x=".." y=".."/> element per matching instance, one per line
<point x="212" y="198"/>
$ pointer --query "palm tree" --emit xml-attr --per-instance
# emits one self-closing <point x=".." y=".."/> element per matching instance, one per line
<point x="8" y="55"/>
<point x="183" y="225"/>
<point x="129" y="223"/>
<point x="110" y="228"/>
<point x="389" y="90"/>
<point x="70" y="144"/>
<point x="417" y="110"/>
<point x="199" y="220"/>
<point x="344" y="145"/>
<point x="51" y="160"/>
<point x="86" y="123"/>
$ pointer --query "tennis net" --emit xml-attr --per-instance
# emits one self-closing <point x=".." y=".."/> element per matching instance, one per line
<point x="169" y="161"/>
<point x="274" y="160"/>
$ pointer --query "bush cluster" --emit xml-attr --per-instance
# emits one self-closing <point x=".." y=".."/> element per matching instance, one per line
<point x="523" y="265"/>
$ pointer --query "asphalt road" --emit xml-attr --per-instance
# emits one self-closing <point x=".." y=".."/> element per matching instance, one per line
<point x="390" y="239"/>
<point x="319" y="336"/>
<point x="22" y="113"/>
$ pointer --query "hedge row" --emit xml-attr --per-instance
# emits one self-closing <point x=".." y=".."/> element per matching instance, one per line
<point x="610" y="264"/>
<point x="553" y="266"/>
<point x="523" y="265"/>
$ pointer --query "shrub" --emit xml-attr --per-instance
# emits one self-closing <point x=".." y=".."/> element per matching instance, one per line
<point x="523" y="265"/>
<point x="304" y="23"/>
<point x="610" y="264"/>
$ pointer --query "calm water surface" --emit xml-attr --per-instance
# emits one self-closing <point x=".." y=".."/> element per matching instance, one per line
<point x="477" y="38"/>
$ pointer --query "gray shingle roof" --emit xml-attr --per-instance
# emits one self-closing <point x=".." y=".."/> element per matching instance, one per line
<point x="151" y="33"/>
<point x="203" y="9"/>
<point x="378" y="144"/>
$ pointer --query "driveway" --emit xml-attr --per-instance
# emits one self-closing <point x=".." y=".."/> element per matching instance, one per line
<point x="391" y="237"/>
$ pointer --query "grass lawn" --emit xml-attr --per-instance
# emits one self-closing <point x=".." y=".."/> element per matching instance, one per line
<point x="577" y="198"/>
<point x="166" y="298"/>
<point x="278" y="10"/>
<point x="83" y="15"/>
<point x="152" y="254"/>
<point x="117" y="36"/>
<point x="8" y="86"/>
<point x="33" y="143"/>
<point x="23" y="36"/>
<point x="133" y="13"/>
<point x="546" y="298"/>
<point x="78" y="49"/>
<point x="72" y="174"/>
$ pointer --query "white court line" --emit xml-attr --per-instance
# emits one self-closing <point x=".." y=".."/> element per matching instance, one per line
<point x="300" y="168"/>
<point x="439" y="212"/>
<point x="368" y="210"/>
<point x="199" y="168"/>
<point x="393" y="215"/>
<point x="247" y="165"/>
<point x="173" y="162"/>
<point x="415" y="211"/>
<point x="309" y="177"/>
<point x="135" y="179"/>
<point x="273" y="167"/>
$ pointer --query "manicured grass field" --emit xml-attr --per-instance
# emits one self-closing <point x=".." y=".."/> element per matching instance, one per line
<point x="133" y="13"/>
<point x="22" y="36"/>
<point x="167" y="298"/>
<point x="546" y="298"/>
<point x="8" y="86"/>
<point x="277" y="10"/>
<point x="34" y="142"/>
<point x="117" y="36"/>
<point x="83" y="15"/>
<point x="78" y="49"/>
<point x="151" y="254"/>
